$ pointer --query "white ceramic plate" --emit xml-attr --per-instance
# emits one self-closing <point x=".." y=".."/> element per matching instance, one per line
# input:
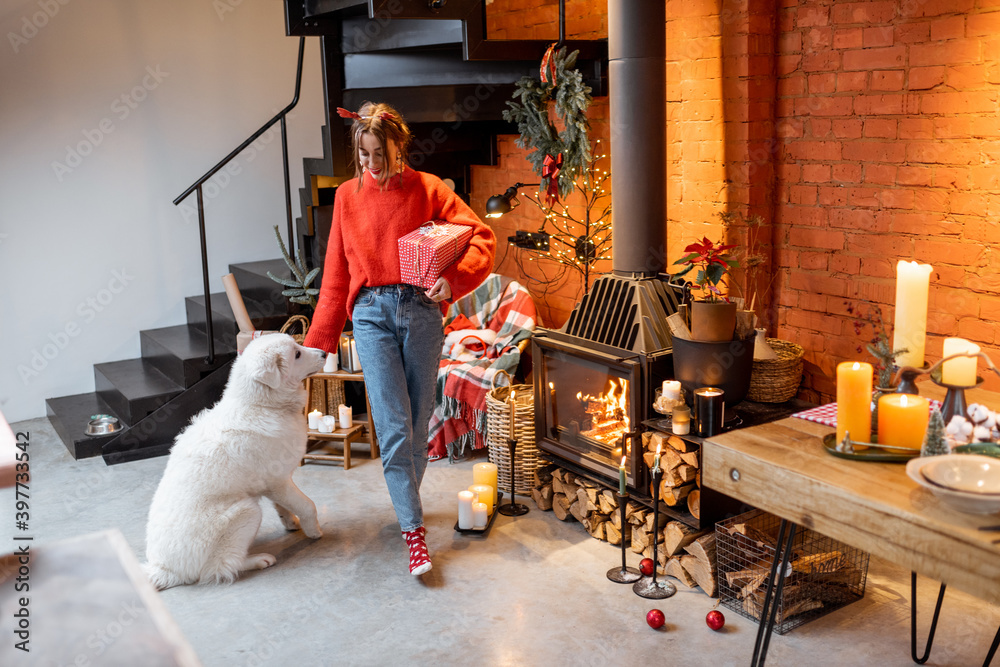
<point x="972" y="503"/>
<point x="965" y="472"/>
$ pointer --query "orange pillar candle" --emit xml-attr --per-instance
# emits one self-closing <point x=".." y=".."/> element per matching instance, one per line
<point x="486" y="473"/>
<point x="902" y="420"/>
<point x="854" y="400"/>
<point x="484" y="494"/>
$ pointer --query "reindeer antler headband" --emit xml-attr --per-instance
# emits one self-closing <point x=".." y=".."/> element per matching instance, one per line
<point x="344" y="113"/>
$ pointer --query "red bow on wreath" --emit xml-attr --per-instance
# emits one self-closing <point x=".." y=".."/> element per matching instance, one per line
<point x="547" y="72"/>
<point x="550" y="170"/>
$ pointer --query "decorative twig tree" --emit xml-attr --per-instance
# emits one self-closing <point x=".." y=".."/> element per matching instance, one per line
<point x="566" y="163"/>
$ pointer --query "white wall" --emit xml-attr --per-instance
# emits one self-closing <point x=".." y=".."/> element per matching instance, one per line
<point x="149" y="95"/>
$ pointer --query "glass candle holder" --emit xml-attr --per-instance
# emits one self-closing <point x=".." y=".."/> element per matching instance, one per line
<point x="709" y="410"/>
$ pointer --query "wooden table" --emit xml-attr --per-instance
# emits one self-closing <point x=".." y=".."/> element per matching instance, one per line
<point x="359" y="431"/>
<point x="782" y="468"/>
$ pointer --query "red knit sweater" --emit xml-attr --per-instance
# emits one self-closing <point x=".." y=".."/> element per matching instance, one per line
<point x="362" y="250"/>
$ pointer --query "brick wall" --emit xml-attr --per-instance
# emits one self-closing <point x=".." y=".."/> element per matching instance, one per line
<point x="888" y="115"/>
<point x="860" y="134"/>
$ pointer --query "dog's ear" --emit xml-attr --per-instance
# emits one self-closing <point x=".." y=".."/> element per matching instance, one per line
<point x="270" y="369"/>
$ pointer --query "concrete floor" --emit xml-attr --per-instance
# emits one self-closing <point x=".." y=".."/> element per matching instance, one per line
<point x="533" y="593"/>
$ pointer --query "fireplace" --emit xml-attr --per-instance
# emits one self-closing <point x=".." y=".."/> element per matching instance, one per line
<point x="589" y="398"/>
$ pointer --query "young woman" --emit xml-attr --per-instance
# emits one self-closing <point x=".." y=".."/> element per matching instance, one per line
<point x="397" y="327"/>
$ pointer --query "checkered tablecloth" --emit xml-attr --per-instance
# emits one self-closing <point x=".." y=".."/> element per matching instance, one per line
<point x="827" y="414"/>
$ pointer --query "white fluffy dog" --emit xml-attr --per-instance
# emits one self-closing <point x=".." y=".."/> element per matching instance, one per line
<point x="206" y="511"/>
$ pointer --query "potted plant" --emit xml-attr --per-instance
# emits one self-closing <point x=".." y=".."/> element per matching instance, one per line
<point x="713" y="317"/>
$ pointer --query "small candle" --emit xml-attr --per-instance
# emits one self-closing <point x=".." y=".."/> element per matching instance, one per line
<point x="910" y="324"/>
<point x="346" y="416"/>
<point x="486" y="473"/>
<point x="465" y="499"/>
<point x="327" y="423"/>
<point x="681" y="420"/>
<point x="330" y="365"/>
<point x="314" y="418"/>
<point x="479" y="515"/>
<point x="710" y="408"/>
<point x="355" y="359"/>
<point x="484" y="494"/>
<point x="902" y="420"/>
<point x="959" y="372"/>
<point x="512" y="404"/>
<point x="671" y="390"/>
<point x="553" y="427"/>
<point x="656" y="459"/>
<point x="854" y="400"/>
<point x="621" y="478"/>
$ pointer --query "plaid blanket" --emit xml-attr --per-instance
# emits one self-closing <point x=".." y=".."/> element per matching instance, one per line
<point x="459" y="417"/>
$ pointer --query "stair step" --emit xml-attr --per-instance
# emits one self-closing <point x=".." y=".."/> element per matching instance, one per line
<point x="425" y="104"/>
<point x="251" y="277"/>
<point x="180" y="352"/>
<point x="133" y="388"/>
<point x="69" y="416"/>
<point x="398" y="34"/>
<point x="438" y="67"/>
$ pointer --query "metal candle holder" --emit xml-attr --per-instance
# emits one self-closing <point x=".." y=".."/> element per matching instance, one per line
<point x="649" y="587"/>
<point x="512" y="508"/>
<point x="623" y="575"/>
<point x="908" y="379"/>
<point x="954" y="400"/>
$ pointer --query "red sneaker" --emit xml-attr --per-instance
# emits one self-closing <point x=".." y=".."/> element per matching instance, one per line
<point x="420" y="562"/>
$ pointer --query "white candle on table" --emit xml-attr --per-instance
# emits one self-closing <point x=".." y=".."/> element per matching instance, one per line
<point x="671" y="390"/>
<point x="330" y="365"/>
<point x="959" y="372"/>
<point x="479" y="515"/>
<point x="465" y="509"/>
<point x="314" y="418"/>
<point x="346" y="416"/>
<point x="910" y="326"/>
<point x="327" y="423"/>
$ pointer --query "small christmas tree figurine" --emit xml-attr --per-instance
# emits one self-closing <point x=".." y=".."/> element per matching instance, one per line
<point x="935" y="443"/>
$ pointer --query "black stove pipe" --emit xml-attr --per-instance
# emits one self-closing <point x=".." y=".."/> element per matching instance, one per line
<point x="637" y="75"/>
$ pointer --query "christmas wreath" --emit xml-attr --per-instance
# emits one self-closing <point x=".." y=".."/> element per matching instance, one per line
<point x="557" y="157"/>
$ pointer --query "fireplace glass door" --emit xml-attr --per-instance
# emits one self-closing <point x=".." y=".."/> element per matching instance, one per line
<point x="587" y="405"/>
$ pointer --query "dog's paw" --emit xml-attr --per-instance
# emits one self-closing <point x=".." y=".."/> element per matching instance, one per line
<point x="313" y="532"/>
<point x="289" y="521"/>
<point x="259" y="561"/>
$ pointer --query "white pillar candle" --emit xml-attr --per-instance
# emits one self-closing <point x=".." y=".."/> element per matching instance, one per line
<point x="314" y="418"/>
<point x="327" y="423"/>
<point x="486" y="473"/>
<point x="959" y="372"/>
<point x="671" y="390"/>
<point x="330" y="365"/>
<point x="346" y="416"/>
<point x="479" y="515"/>
<point x="465" y="509"/>
<point x="484" y="494"/>
<point x="910" y="326"/>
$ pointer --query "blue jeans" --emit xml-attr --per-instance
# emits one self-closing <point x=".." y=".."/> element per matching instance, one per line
<point x="399" y="333"/>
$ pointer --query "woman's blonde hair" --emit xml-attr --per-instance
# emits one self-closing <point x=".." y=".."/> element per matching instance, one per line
<point x="385" y="124"/>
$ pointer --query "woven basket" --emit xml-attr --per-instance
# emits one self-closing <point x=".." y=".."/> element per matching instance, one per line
<point x="302" y="321"/>
<point x="326" y="395"/>
<point x="498" y="418"/>
<point x="777" y="380"/>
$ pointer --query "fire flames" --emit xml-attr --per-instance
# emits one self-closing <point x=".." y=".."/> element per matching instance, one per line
<point x="608" y="412"/>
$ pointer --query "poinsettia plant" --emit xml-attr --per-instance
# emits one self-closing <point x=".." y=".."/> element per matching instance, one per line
<point x="713" y="264"/>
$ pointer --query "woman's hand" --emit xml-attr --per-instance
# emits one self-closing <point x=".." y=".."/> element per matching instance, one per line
<point x="439" y="291"/>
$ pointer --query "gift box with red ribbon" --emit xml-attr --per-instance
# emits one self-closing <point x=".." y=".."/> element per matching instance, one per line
<point x="427" y="251"/>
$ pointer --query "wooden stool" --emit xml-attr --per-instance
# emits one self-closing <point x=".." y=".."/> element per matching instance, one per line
<point x="343" y="435"/>
<point x="367" y="433"/>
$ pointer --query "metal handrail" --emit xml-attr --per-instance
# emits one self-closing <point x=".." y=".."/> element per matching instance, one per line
<point x="196" y="187"/>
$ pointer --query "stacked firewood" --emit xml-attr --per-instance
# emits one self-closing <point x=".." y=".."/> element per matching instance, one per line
<point x="680" y="463"/>
<point x="810" y="582"/>
<point x="682" y="552"/>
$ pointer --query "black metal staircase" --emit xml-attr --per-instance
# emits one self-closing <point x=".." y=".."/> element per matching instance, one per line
<point x="431" y="60"/>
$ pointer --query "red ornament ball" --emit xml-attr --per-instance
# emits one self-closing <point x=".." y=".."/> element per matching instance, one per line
<point x="715" y="619"/>
<point x="655" y="618"/>
<point x="646" y="566"/>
